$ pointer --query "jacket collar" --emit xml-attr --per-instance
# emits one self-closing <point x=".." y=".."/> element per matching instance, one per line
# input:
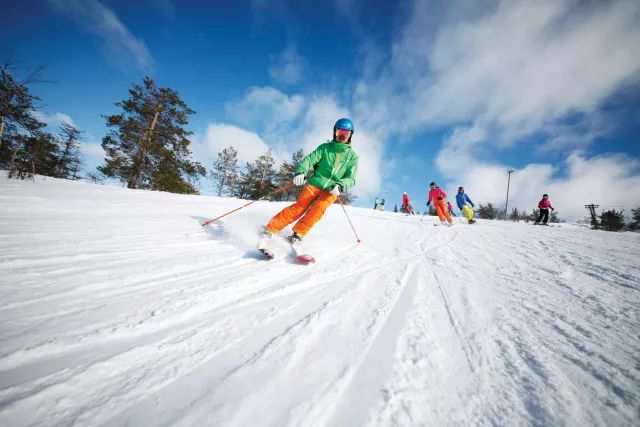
<point x="340" y="147"/>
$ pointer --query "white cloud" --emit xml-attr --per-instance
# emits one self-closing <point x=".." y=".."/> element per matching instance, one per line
<point x="525" y="64"/>
<point x="120" y="46"/>
<point x="93" y="150"/>
<point x="266" y="107"/>
<point x="288" y="66"/>
<point x="517" y="67"/>
<point x="54" y="119"/>
<point x="220" y="136"/>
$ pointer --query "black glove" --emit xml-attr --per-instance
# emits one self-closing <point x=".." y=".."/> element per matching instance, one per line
<point x="552" y="209"/>
<point x="428" y="203"/>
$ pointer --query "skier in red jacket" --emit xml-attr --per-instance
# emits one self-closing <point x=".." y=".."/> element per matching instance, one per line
<point x="544" y="205"/>
<point x="438" y="196"/>
<point x="406" y="204"/>
<point x="450" y="209"/>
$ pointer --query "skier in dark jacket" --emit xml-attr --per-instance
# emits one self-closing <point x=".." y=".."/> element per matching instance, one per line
<point x="544" y="205"/>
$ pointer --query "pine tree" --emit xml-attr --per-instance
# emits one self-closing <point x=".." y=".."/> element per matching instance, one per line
<point x="612" y="220"/>
<point x="395" y="208"/>
<point x="553" y="216"/>
<point x="225" y="171"/>
<point x="488" y="211"/>
<point x="25" y="148"/>
<point x="34" y="153"/>
<point x="635" y="219"/>
<point x="147" y="145"/>
<point x="68" y="166"/>
<point x="285" y="175"/>
<point x="258" y="180"/>
<point x="515" y="215"/>
<point x="347" y="197"/>
<point x="432" y="210"/>
<point x="534" y="214"/>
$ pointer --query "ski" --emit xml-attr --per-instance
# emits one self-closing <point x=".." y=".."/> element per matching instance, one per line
<point x="306" y="259"/>
<point x="301" y="256"/>
<point x="268" y="254"/>
<point x="296" y="247"/>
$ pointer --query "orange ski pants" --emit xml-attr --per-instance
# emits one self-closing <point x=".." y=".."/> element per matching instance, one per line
<point x="305" y="208"/>
<point x="441" y="210"/>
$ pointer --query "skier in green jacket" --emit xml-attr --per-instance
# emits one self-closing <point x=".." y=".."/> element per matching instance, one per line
<point x="334" y="166"/>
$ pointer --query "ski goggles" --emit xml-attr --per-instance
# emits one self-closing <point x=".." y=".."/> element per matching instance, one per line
<point x="343" y="132"/>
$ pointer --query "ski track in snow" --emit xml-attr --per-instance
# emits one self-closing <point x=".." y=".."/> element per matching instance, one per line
<point x="116" y="308"/>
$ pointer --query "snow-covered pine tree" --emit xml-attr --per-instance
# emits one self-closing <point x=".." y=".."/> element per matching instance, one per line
<point x="147" y="145"/>
<point x="224" y="172"/>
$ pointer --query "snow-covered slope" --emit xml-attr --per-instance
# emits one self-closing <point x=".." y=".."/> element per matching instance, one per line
<point x="117" y="308"/>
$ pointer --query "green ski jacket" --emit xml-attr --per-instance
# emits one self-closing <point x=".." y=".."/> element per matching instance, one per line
<point x="332" y="163"/>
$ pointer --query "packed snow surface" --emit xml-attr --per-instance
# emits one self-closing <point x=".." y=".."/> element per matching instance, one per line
<point x="118" y="308"/>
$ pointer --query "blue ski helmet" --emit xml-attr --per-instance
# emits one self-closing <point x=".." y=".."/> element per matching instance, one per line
<point x="344" y="124"/>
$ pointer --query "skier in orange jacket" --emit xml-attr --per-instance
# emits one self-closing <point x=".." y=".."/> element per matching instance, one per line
<point x="438" y="197"/>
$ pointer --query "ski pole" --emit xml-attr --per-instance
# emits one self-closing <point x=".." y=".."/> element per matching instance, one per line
<point x="349" y="219"/>
<point x="283" y="188"/>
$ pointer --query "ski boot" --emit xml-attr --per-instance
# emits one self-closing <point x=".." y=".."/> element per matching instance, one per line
<point x="263" y="244"/>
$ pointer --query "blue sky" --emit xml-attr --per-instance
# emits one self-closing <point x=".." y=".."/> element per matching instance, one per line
<point x="453" y="92"/>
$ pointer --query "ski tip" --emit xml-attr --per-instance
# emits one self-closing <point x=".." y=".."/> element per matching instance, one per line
<point x="306" y="259"/>
<point x="267" y="253"/>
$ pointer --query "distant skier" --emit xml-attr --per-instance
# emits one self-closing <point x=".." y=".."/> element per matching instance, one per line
<point x="438" y="197"/>
<point x="544" y="205"/>
<point x="375" y="204"/>
<point x="463" y="201"/>
<point x="334" y="165"/>
<point x="381" y="204"/>
<point x="406" y="204"/>
<point x="450" y="209"/>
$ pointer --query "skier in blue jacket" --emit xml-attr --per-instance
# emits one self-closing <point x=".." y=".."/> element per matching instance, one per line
<point x="463" y="201"/>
